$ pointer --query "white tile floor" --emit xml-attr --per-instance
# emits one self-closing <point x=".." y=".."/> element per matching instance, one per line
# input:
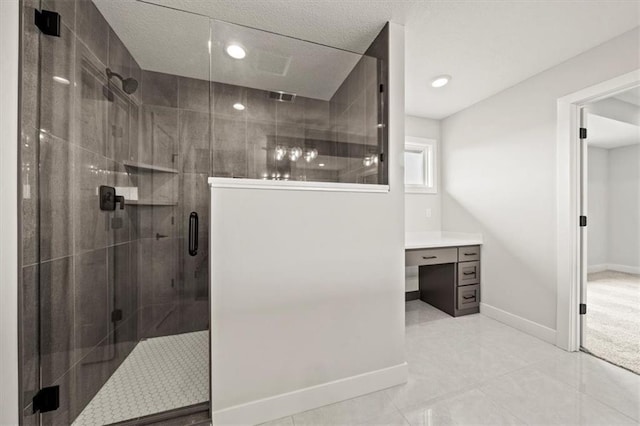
<point x="160" y="374"/>
<point x="476" y="371"/>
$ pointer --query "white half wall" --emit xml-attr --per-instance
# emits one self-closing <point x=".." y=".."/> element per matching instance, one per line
<point x="624" y="208"/>
<point x="422" y="212"/>
<point x="499" y="177"/>
<point x="9" y="52"/>
<point x="307" y="289"/>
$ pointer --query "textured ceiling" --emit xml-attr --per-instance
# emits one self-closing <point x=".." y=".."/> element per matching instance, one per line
<point x="486" y="46"/>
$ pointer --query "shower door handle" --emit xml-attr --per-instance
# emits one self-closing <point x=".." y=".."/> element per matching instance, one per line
<point x="193" y="233"/>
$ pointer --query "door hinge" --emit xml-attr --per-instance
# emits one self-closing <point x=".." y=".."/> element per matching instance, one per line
<point x="47" y="399"/>
<point x="116" y="315"/>
<point x="381" y="157"/>
<point x="583" y="308"/>
<point x="583" y="133"/>
<point x="48" y="22"/>
<point x="382" y="88"/>
<point x="583" y="221"/>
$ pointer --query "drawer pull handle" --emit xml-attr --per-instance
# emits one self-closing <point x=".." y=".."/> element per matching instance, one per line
<point x="469" y="273"/>
<point x="429" y="257"/>
<point x="470" y="254"/>
<point x="468" y="297"/>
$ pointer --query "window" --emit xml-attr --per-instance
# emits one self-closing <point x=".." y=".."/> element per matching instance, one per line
<point x="420" y="168"/>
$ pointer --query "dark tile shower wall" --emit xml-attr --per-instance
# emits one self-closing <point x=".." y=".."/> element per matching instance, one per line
<point x="175" y="134"/>
<point x="243" y="141"/>
<point x="354" y="112"/>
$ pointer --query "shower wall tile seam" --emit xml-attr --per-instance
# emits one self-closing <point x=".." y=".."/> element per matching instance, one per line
<point x="88" y="251"/>
<point x="106" y="338"/>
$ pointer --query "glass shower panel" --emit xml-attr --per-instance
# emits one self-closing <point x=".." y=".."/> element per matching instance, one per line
<point x="123" y="113"/>
<point x="287" y="109"/>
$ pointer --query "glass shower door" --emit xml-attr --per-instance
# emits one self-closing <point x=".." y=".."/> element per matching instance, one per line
<point x="116" y="159"/>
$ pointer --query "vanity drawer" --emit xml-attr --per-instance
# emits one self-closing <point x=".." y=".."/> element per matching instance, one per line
<point x="468" y="297"/>
<point x="468" y="273"/>
<point x="431" y="256"/>
<point x="466" y="254"/>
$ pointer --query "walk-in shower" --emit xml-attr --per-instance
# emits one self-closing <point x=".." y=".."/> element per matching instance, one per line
<point x="136" y="105"/>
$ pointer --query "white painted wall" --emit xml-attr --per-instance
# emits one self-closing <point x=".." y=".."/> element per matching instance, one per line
<point x="624" y="208"/>
<point x="416" y="205"/>
<point x="308" y="288"/>
<point x="614" y="209"/>
<point x="598" y="207"/>
<point x="499" y="177"/>
<point x="9" y="50"/>
<point x="422" y="212"/>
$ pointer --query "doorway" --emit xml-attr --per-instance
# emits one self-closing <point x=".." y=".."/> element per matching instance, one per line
<point x="610" y="228"/>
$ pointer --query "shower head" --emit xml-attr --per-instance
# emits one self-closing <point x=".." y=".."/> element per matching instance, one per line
<point x="129" y="85"/>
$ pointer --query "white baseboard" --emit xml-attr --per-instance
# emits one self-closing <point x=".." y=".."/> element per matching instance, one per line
<point x="533" y="328"/>
<point x="624" y="268"/>
<point x="286" y="404"/>
<point x="613" y="267"/>
<point x="597" y="268"/>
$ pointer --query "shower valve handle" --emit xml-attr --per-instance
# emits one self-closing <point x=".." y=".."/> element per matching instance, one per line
<point x="120" y="200"/>
<point x="109" y="199"/>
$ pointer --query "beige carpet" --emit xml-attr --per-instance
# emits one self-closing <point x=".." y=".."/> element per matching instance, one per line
<point x="612" y="330"/>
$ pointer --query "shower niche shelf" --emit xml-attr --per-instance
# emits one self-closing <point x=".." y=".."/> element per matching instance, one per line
<point x="149" y="167"/>
<point x="150" y="203"/>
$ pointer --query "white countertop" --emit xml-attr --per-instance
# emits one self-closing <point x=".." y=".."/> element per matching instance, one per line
<point x="436" y="239"/>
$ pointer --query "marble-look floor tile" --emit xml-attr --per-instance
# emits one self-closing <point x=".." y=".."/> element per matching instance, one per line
<point x="285" y="421"/>
<point x="540" y="399"/>
<point x="467" y="408"/>
<point x="477" y="364"/>
<point x="418" y="314"/>
<point x="427" y="380"/>
<point x="614" y="386"/>
<point x="352" y="411"/>
<point x="474" y="370"/>
<point x="391" y="419"/>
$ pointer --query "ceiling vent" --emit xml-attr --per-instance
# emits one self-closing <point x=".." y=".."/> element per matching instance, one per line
<point x="282" y="96"/>
<point x="272" y="63"/>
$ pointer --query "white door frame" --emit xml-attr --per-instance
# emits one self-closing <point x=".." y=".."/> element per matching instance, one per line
<point x="9" y="82"/>
<point x="568" y="204"/>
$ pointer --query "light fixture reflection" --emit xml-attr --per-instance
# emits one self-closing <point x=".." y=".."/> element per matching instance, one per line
<point x="61" y="80"/>
<point x="310" y="155"/>
<point x="295" y="153"/>
<point x="440" y="81"/>
<point x="280" y="153"/>
<point x="370" y="160"/>
<point x="236" y="51"/>
<point x="238" y="106"/>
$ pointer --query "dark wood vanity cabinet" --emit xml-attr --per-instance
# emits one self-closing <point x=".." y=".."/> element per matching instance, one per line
<point x="449" y="278"/>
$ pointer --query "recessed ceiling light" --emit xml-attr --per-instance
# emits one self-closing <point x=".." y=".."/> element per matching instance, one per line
<point x="321" y="164"/>
<point x="236" y="51"/>
<point x="238" y="106"/>
<point x="440" y="81"/>
<point x="61" y="80"/>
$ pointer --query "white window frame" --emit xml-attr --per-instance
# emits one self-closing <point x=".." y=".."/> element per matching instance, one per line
<point x="429" y="149"/>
